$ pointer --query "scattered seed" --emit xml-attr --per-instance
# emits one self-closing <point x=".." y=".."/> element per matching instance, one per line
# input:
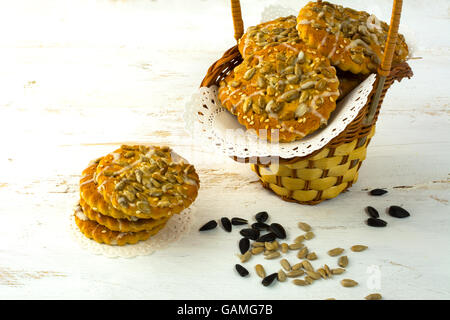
<point x="208" y="226"/>
<point x="376" y="222"/>
<point x="309" y="280"/>
<point x="272" y="255"/>
<point x="335" y="252"/>
<point x="238" y="221"/>
<point x="313" y="274"/>
<point x="257" y="250"/>
<point x="295" y="273"/>
<point x="300" y="282"/>
<point x="257" y="244"/>
<point x="307" y="265"/>
<point x="343" y="261"/>
<point x="262" y="216"/>
<point x="311" y="256"/>
<point x="377" y="192"/>
<point x="372" y="212"/>
<point x="348" y="283"/>
<point x="296" y="246"/>
<point x="285" y="264"/>
<point x="322" y="273"/>
<point x="226" y="224"/>
<point x="304" y="226"/>
<point x="259" y="269"/>
<point x="261" y="226"/>
<point x="241" y="270"/>
<point x="250" y="233"/>
<point x="269" y="279"/>
<point x="297" y="266"/>
<point x="327" y="270"/>
<point x="302" y="253"/>
<point x="373" y="296"/>
<point x="284" y="247"/>
<point x="338" y="271"/>
<point x="246" y="256"/>
<point x="358" y="248"/>
<point x="309" y="235"/>
<point x="330" y="299"/>
<point x="281" y="276"/>
<point x="268" y="237"/>
<point x="278" y="230"/>
<point x="398" y="212"/>
<point x="244" y="245"/>
<point x="299" y="239"/>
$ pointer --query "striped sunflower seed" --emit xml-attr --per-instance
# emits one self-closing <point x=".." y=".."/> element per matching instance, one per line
<point x="309" y="235"/>
<point x="258" y="244"/>
<point x="259" y="269"/>
<point x="299" y="239"/>
<point x="295" y="273"/>
<point x="322" y="273"/>
<point x="313" y="274"/>
<point x="281" y="276"/>
<point x="309" y="280"/>
<point x="257" y="250"/>
<point x="296" y="246"/>
<point x="285" y="264"/>
<point x="358" y="248"/>
<point x="272" y="255"/>
<point x="328" y="270"/>
<point x="335" y="252"/>
<point x="311" y="256"/>
<point x="337" y="270"/>
<point x="307" y="265"/>
<point x="284" y="247"/>
<point x="343" y="261"/>
<point x="297" y="266"/>
<point x="348" y="283"/>
<point x="302" y="253"/>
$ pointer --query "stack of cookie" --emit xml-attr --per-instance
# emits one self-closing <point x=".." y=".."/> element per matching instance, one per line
<point x="295" y="69"/>
<point x="131" y="193"/>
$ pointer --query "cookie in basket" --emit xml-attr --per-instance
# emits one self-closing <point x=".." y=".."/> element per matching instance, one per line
<point x="121" y="225"/>
<point x="353" y="40"/>
<point x="281" y="30"/>
<point x="284" y="90"/>
<point x="347" y="82"/>
<point x="147" y="181"/>
<point x="102" y="234"/>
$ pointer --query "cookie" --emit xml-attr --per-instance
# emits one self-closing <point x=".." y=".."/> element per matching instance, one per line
<point x="353" y="40"/>
<point x="121" y="225"/>
<point x="102" y="234"/>
<point x="93" y="198"/>
<point x="281" y="30"/>
<point x="147" y="181"/>
<point x="284" y="92"/>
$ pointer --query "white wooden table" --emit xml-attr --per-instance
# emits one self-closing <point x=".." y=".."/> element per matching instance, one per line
<point x="80" y="78"/>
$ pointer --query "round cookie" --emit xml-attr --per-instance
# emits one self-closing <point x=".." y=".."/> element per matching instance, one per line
<point x="121" y="225"/>
<point x="93" y="198"/>
<point x="281" y="30"/>
<point x="147" y="181"/>
<point x="353" y="40"/>
<point x="285" y="90"/>
<point x="102" y="234"/>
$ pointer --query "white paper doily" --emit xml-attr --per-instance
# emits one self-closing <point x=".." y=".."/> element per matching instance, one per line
<point x="206" y="119"/>
<point x="177" y="226"/>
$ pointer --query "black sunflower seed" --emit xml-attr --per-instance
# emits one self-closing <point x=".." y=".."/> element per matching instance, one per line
<point x="278" y="230"/>
<point x="372" y="212"/>
<point x="226" y="224"/>
<point x="238" y="221"/>
<point x="244" y="245"/>
<point x="262" y="216"/>
<point x="377" y="192"/>
<point x="376" y="222"/>
<point x="241" y="270"/>
<point x="268" y="237"/>
<point x="208" y="226"/>
<point x="269" y="279"/>
<point x="250" y="233"/>
<point x="398" y="212"/>
<point x="260" y="226"/>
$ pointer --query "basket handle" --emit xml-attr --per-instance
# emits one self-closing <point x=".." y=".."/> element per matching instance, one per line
<point x="385" y="67"/>
<point x="238" y="23"/>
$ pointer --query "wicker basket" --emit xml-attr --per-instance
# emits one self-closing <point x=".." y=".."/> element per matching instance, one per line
<point x="329" y="171"/>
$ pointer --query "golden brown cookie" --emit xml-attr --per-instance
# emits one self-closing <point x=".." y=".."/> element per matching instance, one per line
<point x="147" y="181"/>
<point x="102" y="234"/>
<point x="353" y="40"/>
<point x="281" y="30"/>
<point x="285" y="90"/>
<point x="94" y="199"/>
<point x="121" y="225"/>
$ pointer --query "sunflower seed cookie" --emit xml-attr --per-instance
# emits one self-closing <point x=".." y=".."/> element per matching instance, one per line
<point x="353" y="40"/>
<point x="284" y="92"/>
<point x="147" y="181"/>
<point x="281" y="30"/>
<point x="102" y="234"/>
<point x="121" y="225"/>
